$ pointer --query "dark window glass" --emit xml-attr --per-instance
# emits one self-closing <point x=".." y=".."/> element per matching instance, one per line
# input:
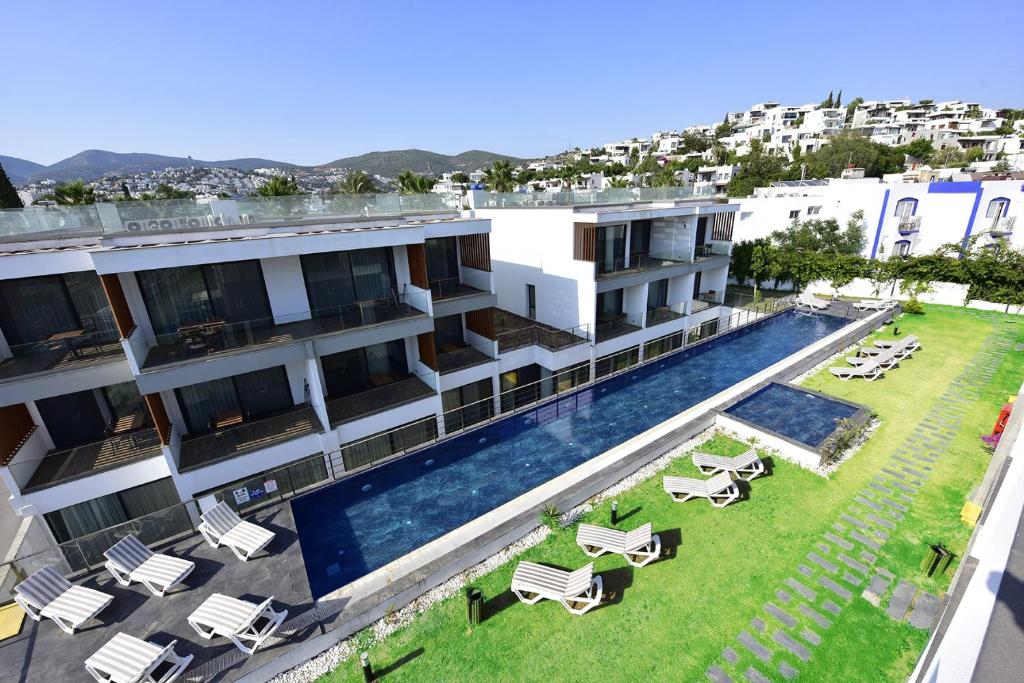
<point x="467" y="405"/>
<point x="442" y="259"/>
<point x="531" y="302"/>
<point x="448" y="331"/>
<point x="73" y="419"/>
<point x="609" y="305"/>
<point x="32" y="309"/>
<point x="336" y="280"/>
<point x="611" y="248"/>
<point x="125" y="400"/>
<point x="263" y="392"/>
<point x="657" y="294"/>
<point x="355" y="371"/>
<point x="201" y="403"/>
<point x="639" y="237"/>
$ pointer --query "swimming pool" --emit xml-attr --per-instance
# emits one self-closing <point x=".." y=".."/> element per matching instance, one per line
<point x="800" y="415"/>
<point x="359" y="524"/>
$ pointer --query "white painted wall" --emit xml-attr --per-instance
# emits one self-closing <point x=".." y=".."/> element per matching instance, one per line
<point x="286" y="288"/>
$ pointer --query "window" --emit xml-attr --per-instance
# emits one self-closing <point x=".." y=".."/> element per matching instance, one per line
<point x="467" y="405"/>
<point x="609" y="305"/>
<point x="531" y="302"/>
<point x="611" y="248"/>
<point x="232" y="292"/>
<point x="522" y="386"/>
<point x="615" y="362"/>
<point x="813" y="210"/>
<point x="997" y="208"/>
<point x="94" y="515"/>
<point x="657" y="294"/>
<point x="905" y="208"/>
<point x="448" y="332"/>
<point x="572" y="376"/>
<point x="338" y="279"/>
<point x="794" y="215"/>
<point x="34" y="308"/>
<point x="253" y="395"/>
<point x="902" y="248"/>
<point x="386" y="444"/>
<point x="355" y="371"/>
<point x="639" y="238"/>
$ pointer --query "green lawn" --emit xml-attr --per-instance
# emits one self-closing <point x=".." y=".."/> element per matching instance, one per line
<point x="671" y="619"/>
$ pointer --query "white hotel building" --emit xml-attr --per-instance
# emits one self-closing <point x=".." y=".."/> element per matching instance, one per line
<point x="157" y="352"/>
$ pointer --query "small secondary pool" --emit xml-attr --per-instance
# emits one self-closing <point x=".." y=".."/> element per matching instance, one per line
<point x="361" y="523"/>
<point x="792" y="412"/>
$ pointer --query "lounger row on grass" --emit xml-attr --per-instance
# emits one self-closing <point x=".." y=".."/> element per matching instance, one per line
<point x="885" y="355"/>
<point x="580" y="591"/>
<point x="720" y="489"/>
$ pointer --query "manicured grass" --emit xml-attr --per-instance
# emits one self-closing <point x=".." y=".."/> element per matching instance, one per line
<point x="671" y="619"/>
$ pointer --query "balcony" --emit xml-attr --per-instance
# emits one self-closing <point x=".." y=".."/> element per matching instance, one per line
<point x="73" y="463"/>
<point x="616" y="326"/>
<point x="706" y="251"/>
<point x="515" y="332"/>
<point x="201" y="339"/>
<point x="663" y="314"/>
<point x="706" y="300"/>
<point x="62" y="351"/>
<point x="453" y="358"/>
<point x="390" y="394"/>
<point x="1003" y="226"/>
<point x="452" y="288"/>
<point x="205" y="449"/>
<point x="909" y="225"/>
<point x="639" y="263"/>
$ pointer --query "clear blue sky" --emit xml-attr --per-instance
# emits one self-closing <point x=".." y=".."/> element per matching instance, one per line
<point x="309" y="82"/>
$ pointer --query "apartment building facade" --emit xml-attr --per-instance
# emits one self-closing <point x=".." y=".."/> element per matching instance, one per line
<point x="899" y="218"/>
<point x="154" y="352"/>
<point x="626" y="273"/>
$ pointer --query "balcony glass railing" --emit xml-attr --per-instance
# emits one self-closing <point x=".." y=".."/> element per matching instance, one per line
<point x="201" y="338"/>
<point x="61" y="351"/>
<point x="590" y="197"/>
<point x="544" y="336"/>
<point x="253" y="434"/>
<point x="615" y="326"/>
<point x="710" y="250"/>
<point x="462" y="357"/>
<point x="71" y="463"/>
<point x="182" y="215"/>
<point x="396" y="391"/>
<point x="641" y="262"/>
<point x="662" y="314"/>
<point x="450" y="288"/>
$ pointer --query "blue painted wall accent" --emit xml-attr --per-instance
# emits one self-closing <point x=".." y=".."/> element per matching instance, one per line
<point x="962" y="187"/>
<point x="970" y="221"/>
<point x="881" y="219"/>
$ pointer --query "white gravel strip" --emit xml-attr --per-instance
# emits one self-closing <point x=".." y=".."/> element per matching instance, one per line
<point x="331" y="658"/>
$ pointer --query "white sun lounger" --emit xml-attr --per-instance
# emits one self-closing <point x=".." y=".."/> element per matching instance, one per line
<point x="746" y="465"/>
<point x="874" y="304"/>
<point x="130" y="560"/>
<point x="239" y="621"/>
<point x="221" y="525"/>
<point x="48" y="594"/>
<point x="810" y="301"/>
<point x="638" y="546"/>
<point x="909" y="343"/>
<point x="578" y="591"/>
<point x="869" y="371"/>
<point x="126" y="659"/>
<point x="720" y="490"/>
<point x="886" y="359"/>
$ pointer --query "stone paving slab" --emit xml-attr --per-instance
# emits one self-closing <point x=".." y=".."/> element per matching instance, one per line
<point x="880" y="521"/>
<point x="852" y="563"/>
<point x="857" y="536"/>
<point x="757" y="624"/>
<point x="831" y="585"/>
<point x="805" y="570"/>
<point x="787" y="671"/>
<point x="900" y="601"/>
<point x="868" y="557"/>
<point x="830" y="606"/>
<point x="852" y="579"/>
<point x="814" y="616"/>
<point x="788" y="642"/>
<point x="754" y="646"/>
<point x="717" y="675"/>
<point x="926" y="609"/>
<point x="810" y="636"/>
<point x="755" y="676"/>
<point x="800" y="588"/>
<point x="783" y="596"/>
<point x="730" y="655"/>
<point x="780" y="614"/>
<point x="876" y="589"/>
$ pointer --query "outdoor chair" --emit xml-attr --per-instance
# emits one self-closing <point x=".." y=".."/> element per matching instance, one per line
<point x="130" y="560"/>
<point x="221" y="525"/>
<point x="746" y="465"/>
<point x="240" y="621"/>
<point x="578" y="591"/>
<point x="48" y="594"/>
<point x="720" y="490"/>
<point x="127" y="659"/>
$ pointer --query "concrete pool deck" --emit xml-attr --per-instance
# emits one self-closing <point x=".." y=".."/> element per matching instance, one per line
<point x="314" y="626"/>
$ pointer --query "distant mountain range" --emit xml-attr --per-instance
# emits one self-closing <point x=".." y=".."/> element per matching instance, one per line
<point x="95" y="163"/>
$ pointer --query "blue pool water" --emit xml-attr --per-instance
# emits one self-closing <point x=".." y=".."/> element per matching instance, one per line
<point x="359" y="524"/>
<point x="807" y="418"/>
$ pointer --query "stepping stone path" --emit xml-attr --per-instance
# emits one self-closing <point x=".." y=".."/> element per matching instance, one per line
<point x="817" y="593"/>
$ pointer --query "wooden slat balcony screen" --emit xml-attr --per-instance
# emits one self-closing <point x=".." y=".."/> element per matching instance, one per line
<point x="159" y="415"/>
<point x="584" y="243"/>
<point x="481" y="321"/>
<point x="118" y="304"/>
<point x="722" y="229"/>
<point x="16" y="426"/>
<point x="418" y="265"/>
<point x="476" y="251"/>
<point x="428" y="354"/>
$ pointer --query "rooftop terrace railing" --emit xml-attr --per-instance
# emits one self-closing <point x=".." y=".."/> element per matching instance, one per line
<point x="584" y="198"/>
<point x="185" y="215"/>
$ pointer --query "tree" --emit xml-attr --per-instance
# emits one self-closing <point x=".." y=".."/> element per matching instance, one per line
<point x="919" y="149"/>
<point x="9" y="198"/>
<point x="839" y="99"/>
<point x="974" y="154"/>
<point x="758" y="168"/>
<point x="499" y="177"/>
<point x="277" y="186"/>
<point x="126" y="194"/>
<point x="724" y="129"/>
<point x="74" y="192"/>
<point x="829" y="101"/>
<point x="1001" y="166"/>
<point x="763" y="262"/>
<point x="357" y="182"/>
<point x="413" y="183"/>
<point x="694" y="142"/>
<point x="460" y="177"/>
<point x="664" y="177"/>
<point x="165" y="191"/>
<point x="949" y="156"/>
<point x="618" y="182"/>
<point x="852" y="107"/>
<point x="850" y="148"/>
<point x="822" y="236"/>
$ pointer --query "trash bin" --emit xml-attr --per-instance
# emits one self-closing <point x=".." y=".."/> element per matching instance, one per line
<point x="943" y="561"/>
<point x="931" y="560"/>
<point x="474" y="605"/>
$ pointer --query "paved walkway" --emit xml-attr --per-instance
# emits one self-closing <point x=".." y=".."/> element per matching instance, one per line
<point x="782" y="637"/>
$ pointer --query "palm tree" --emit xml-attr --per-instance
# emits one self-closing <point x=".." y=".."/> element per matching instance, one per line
<point x="413" y="183"/>
<point x="357" y="182"/>
<point x="279" y="186"/>
<point x="499" y="176"/>
<point x="619" y="182"/>
<point x="74" y="192"/>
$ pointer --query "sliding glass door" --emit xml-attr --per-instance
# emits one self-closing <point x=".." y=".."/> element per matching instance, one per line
<point x="355" y="371"/>
<point x="338" y="279"/>
<point x="35" y="308"/>
<point x="250" y="396"/>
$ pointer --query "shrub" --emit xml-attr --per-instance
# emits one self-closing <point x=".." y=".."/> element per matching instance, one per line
<point x="913" y="306"/>
<point x="847" y="433"/>
<point x="551" y="517"/>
